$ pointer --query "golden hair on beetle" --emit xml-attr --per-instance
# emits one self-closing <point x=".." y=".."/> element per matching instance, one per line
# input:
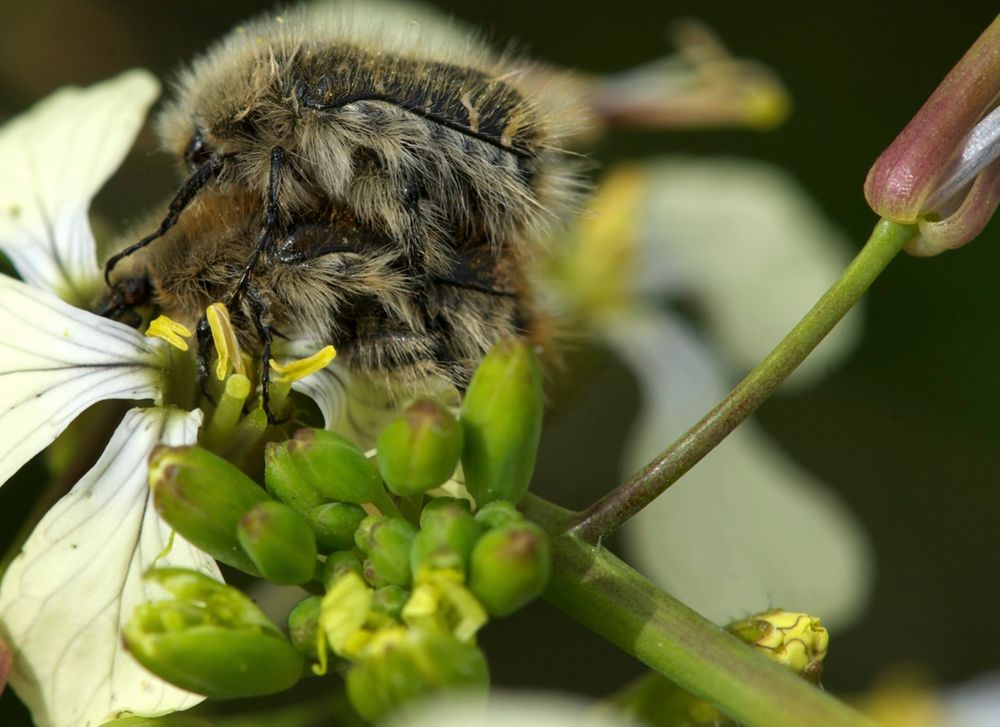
<point x="368" y="175"/>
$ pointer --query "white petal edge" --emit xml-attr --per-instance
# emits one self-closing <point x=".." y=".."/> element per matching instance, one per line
<point x="974" y="703"/>
<point x="55" y="361"/>
<point x="56" y="156"/>
<point x="508" y="709"/>
<point x="350" y="405"/>
<point x="746" y="529"/>
<point x="78" y="578"/>
<point x="755" y="251"/>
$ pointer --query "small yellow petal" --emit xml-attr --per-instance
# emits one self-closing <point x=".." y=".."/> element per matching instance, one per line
<point x="296" y="370"/>
<point x="344" y="610"/>
<point x="441" y="603"/>
<point x="170" y="331"/>
<point x="227" y="346"/>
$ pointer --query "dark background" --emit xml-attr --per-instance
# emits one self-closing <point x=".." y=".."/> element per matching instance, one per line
<point x="906" y="431"/>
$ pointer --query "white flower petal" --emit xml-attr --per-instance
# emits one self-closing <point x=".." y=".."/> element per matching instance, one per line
<point x="56" y="157"/>
<point x="975" y="703"/>
<point x="746" y="529"/>
<point x="507" y="709"/>
<point x="350" y="405"/>
<point x="753" y="249"/>
<point x="66" y="597"/>
<point x="55" y="361"/>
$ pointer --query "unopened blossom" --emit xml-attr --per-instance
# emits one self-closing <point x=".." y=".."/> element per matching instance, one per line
<point x="943" y="172"/>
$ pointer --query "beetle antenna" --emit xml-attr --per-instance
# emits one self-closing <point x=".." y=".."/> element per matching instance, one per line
<point x="187" y="192"/>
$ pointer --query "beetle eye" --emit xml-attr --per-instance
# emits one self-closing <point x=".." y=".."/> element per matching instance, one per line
<point x="198" y="152"/>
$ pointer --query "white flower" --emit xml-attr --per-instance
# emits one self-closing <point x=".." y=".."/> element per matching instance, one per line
<point x="746" y="529"/>
<point x="65" y="598"/>
<point x="79" y="575"/>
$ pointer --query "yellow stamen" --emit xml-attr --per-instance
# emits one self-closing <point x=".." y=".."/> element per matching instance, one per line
<point x="297" y="370"/>
<point x="170" y="331"/>
<point x="227" y="347"/>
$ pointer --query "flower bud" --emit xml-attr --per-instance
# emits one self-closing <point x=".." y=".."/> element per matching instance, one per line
<point x="387" y="542"/>
<point x="285" y="482"/>
<point x="210" y="639"/>
<point x="338" y="564"/>
<point x="942" y="171"/>
<point x="498" y="513"/>
<point x="419" y="450"/>
<point x="334" y="524"/>
<point x="796" y="640"/>
<point x="279" y="542"/>
<point x="401" y="665"/>
<point x="448" y="531"/>
<point x="389" y="600"/>
<point x="203" y="497"/>
<point x="502" y="423"/>
<point x="510" y="567"/>
<point x="330" y="465"/>
<point x="448" y="506"/>
<point x="303" y="624"/>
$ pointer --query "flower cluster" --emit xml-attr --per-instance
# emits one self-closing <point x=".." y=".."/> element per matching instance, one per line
<point x="408" y="580"/>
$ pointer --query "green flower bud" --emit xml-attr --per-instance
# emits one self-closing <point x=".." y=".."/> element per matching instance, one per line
<point x="401" y="665"/>
<point x="334" y="466"/>
<point x="285" y="481"/>
<point x="447" y="534"/>
<point x="502" y="422"/>
<point x="419" y="449"/>
<point x="279" y="542"/>
<point x="387" y="542"/>
<point x="303" y="625"/>
<point x="498" y="513"/>
<point x="338" y="564"/>
<point x="797" y="640"/>
<point x="334" y="524"/>
<point x="438" y="505"/>
<point x="389" y="600"/>
<point x="210" y="639"/>
<point x="203" y="497"/>
<point x="510" y="567"/>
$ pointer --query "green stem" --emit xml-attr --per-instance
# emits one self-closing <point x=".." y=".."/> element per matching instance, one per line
<point x="608" y="513"/>
<point x="607" y="596"/>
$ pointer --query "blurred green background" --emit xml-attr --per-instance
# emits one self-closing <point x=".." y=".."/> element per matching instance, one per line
<point x="907" y="431"/>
